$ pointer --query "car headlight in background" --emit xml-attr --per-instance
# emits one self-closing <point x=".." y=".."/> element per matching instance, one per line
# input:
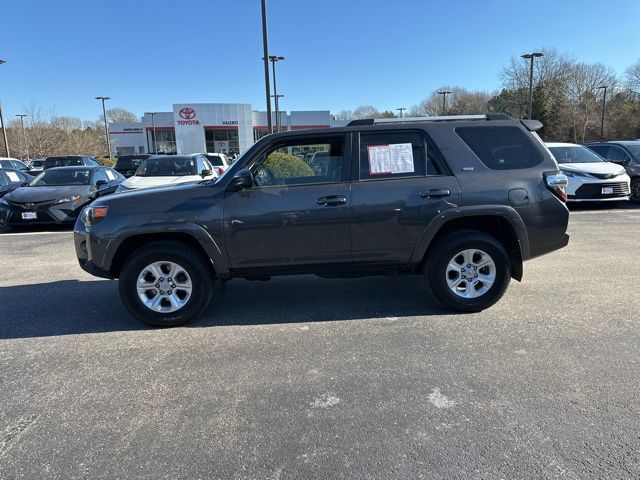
<point x="93" y="215"/>
<point x="570" y="173"/>
<point x="73" y="198"/>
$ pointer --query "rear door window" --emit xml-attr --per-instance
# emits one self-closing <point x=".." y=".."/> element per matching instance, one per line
<point x="501" y="148"/>
<point x="397" y="154"/>
<point x="617" y="154"/>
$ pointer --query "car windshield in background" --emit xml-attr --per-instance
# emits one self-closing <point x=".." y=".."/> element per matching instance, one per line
<point x="62" y="177"/>
<point x="167" y="167"/>
<point x="130" y="163"/>
<point x="635" y="151"/>
<point x="37" y="163"/>
<point x="62" y="162"/>
<point x="575" y="155"/>
<point x="215" y="160"/>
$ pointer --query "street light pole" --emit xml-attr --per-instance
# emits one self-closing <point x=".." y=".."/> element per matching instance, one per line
<point x="265" y="58"/>
<point x="106" y="128"/>
<point x="444" y="101"/>
<point x="274" y="59"/>
<point x="277" y="107"/>
<point x="4" y="130"/>
<point x="401" y="109"/>
<point x="531" y="56"/>
<point x="153" y="129"/>
<point x="24" y="134"/>
<point x="604" y="101"/>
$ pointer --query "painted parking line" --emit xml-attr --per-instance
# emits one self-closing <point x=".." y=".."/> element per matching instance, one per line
<point x="14" y="234"/>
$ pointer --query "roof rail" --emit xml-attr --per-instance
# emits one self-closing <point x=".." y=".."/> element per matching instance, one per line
<point x="443" y="118"/>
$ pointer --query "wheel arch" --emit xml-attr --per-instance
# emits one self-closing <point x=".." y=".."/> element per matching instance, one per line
<point x="510" y="232"/>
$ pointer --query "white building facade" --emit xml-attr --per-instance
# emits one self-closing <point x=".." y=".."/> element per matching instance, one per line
<point x="206" y="127"/>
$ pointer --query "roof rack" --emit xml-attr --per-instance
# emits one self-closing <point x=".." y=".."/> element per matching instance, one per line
<point x="442" y="118"/>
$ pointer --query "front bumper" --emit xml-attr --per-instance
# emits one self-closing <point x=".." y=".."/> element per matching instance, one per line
<point x="589" y="189"/>
<point x="11" y="214"/>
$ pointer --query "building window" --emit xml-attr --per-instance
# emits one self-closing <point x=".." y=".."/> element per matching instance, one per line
<point x="166" y="141"/>
<point x="222" y="140"/>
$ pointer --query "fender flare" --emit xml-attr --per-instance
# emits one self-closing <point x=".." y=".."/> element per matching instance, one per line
<point x="503" y="211"/>
<point x="197" y="232"/>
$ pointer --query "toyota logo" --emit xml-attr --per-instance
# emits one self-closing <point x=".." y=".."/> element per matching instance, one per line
<point x="187" y="113"/>
<point x="29" y="205"/>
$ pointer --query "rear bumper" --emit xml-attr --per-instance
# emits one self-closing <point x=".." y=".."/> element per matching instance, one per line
<point x="540" y="250"/>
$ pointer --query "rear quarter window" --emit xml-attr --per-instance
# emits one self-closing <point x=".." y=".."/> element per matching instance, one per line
<point x="501" y="148"/>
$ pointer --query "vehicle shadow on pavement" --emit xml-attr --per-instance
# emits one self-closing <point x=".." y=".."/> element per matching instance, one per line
<point x="70" y="307"/>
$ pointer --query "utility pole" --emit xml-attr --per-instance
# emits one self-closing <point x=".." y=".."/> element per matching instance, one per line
<point x="444" y="100"/>
<point x="24" y="134"/>
<point x="106" y="128"/>
<point x="604" y="102"/>
<point x="531" y="56"/>
<point x="265" y="58"/>
<point x="277" y="107"/>
<point x="4" y="130"/>
<point x="401" y="109"/>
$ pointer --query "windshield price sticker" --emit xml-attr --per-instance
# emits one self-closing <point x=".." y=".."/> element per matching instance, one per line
<point x="390" y="159"/>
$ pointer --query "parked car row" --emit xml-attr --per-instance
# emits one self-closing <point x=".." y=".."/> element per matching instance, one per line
<point x="67" y="184"/>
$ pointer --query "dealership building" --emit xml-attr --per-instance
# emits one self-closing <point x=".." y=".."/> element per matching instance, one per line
<point x="207" y="127"/>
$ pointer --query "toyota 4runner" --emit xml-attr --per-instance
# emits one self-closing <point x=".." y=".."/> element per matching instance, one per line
<point x="462" y="201"/>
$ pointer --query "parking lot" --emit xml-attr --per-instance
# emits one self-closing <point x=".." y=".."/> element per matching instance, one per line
<point x="303" y="377"/>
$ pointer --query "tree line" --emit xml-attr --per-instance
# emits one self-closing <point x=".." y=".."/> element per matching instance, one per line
<point x="47" y="133"/>
<point x="566" y="99"/>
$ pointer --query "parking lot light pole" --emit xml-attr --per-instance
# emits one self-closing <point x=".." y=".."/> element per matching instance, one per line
<point x="274" y="59"/>
<point x="604" y="101"/>
<point x="444" y="100"/>
<point x="531" y="56"/>
<point x="265" y="59"/>
<point x="24" y="134"/>
<point x="401" y="109"/>
<point x="4" y="130"/>
<point x="277" y="107"/>
<point x="106" y="128"/>
<point x="153" y="129"/>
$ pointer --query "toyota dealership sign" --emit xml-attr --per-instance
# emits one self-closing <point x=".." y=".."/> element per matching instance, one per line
<point x="187" y="116"/>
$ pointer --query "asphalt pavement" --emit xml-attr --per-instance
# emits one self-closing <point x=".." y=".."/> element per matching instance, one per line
<point x="303" y="377"/>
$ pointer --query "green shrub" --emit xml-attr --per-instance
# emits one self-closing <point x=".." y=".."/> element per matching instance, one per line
<point x="283" y="165"/>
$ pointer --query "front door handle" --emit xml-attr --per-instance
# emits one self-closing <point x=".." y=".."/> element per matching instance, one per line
<point x="332" y="200"/>
<point x="436" y="192"/>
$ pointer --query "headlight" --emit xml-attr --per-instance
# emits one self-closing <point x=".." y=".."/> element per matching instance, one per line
<point x="3" y="202"/>
<point x="74" y="198"/>
<point x="93" y="215"/>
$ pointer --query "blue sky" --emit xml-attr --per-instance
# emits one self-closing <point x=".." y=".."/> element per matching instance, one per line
<point x="147" y="55"/>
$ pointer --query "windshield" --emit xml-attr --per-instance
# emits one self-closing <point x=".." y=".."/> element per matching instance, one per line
<point x="62" y="162"/>
<point x="635" y="151"/>
<point x="575" y="155"/>
<point x="167" y="167"/>
<point x="62" y="177"/>
<point x="129" y="163"/>
<point x="37" y="163"/>
<point x="215" y="160"/>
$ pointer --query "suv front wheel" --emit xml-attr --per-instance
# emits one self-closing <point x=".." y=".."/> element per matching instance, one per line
<point x="468" y="271"/>
<point x="165" y="284"/>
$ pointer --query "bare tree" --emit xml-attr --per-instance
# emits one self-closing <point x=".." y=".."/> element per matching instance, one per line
<point x="632" y="77"/>
<point x="458" y="102"/>
<point x="118" y="115"/>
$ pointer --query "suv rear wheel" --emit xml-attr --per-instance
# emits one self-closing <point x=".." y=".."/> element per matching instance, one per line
<point x="468" y="271"/>
<point x="165" y="284"/>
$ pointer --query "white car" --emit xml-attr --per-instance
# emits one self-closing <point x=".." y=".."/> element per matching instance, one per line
<point x="165" y="170"/>
<point x="591" y="178"/>
<point x="218" y="160"/>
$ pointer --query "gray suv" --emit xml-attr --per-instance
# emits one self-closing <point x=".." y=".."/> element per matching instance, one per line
<point x="462" y="201"/>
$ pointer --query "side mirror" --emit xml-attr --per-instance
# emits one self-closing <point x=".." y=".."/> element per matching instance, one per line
<point x="100" y="183"/>
<point x="205" y="173"/>
<point x="241" y="180"/>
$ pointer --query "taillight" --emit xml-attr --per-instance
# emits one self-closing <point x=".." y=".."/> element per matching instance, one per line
<point x="557" y="183"/>
<point x="220" y="170"/>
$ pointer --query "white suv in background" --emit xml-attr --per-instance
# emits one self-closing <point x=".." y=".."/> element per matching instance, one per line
<point x="219" y="161"/>
<point x="165" y="170"/>
<point x="591" y="178"/>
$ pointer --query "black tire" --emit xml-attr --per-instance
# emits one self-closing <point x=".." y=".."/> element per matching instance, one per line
<point x="193" y="263"/>
<point x="635" y="190"/>
<point x="443" y="251"/>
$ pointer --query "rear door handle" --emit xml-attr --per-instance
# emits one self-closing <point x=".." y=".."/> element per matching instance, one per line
<point x="436" y="192"/>
<point x="332" y="200"/>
